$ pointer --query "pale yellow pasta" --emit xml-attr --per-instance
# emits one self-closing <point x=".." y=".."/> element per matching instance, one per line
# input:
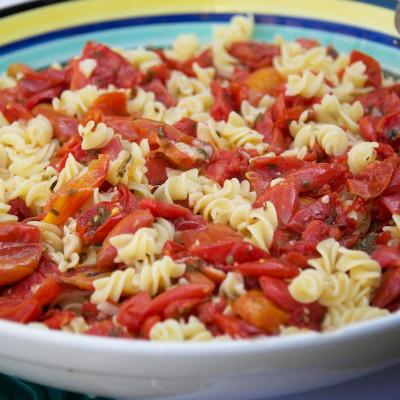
<point x="173" y="330"/>
<point x="51" y="235"/>
<point x="183" y="47"/>
<point x="77" y="325"/>
<point x="71" y="169"/>
<point x="394" y="230"/>
<point x="232" y="286"/>
<point x="331" y="111"/>
<point x="308" y="286"/>
<point x="326" y="264"/>
<point x="308" y="85"/>
<point x="140" y="57"/>
<point x="361" y="155"/>
<point x="330" y="137"/>
<point x="64" y="264"/>
<point x="95" y="136"/>
<point x="87" y="67"/>
<point x="178" y="187"/>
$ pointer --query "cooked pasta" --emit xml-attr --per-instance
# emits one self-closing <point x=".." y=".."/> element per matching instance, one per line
<point x="188" y="193"/>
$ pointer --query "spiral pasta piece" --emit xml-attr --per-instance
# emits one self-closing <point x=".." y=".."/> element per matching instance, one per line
<point x="361" y="155"/>
<point x="95" y="136"/>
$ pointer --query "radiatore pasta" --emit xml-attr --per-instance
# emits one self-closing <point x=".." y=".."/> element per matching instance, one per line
<point x="206" y="191"/>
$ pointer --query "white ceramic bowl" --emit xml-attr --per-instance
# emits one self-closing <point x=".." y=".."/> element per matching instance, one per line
<point x="216" y="370"/>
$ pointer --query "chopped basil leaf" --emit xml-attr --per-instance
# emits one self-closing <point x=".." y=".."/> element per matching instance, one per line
<point x="54" y="211"/>
<point x="122" y="167"/>
<point x="367" y="244"/>
<point x="71" y="192"/>
<point x="305" y="184"/>
<point x="161" y="132"/>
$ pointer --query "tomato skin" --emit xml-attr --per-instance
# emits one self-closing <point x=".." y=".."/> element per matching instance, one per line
<point x="263" y="81"/>
<point x="227" y="164"/>
<point x="276" y="290"/>
<point x="113" y="103"/>
<point x="284" y="196"/>
<point x="161" y="93"/>
<point x="129" y="224"/>
<point x="83" y="278"/>
<point x="309" y="316"/>
<point x="181" y="308"/>
<point x="389" y="289"/>
<point x="24" y="301"/>
<point x="11" y="232"/>
<point x="187" y="126"/>
<point x="56" y="319"/>
<point x="387" y="256"/>
<point x="271" y="267"/>
<point x="69" y="198"/>
<point x="15" y="111"/>
<point x="189" y="222"/>
<point x="209" y="234"/>
<point x="318" y="210"/>
<point x="19" y="209"/>
<point x="148" y="323"/>
<point x="229" y="252"/>
<point x="236" y="327"/>
<point x="222" y="106"/>
<point x="373" y="68"/>
<point x="18" y="260"/>
<point x="164" y="210"/>
<point x="131" y="314"/>
<point x="313" y="176"/>
<point x="253" y="54"/>
<point x="256" y="310"/>
<point x="111" y="68"/>
<point x="373" y="180"/>
<point x="107" y="328"/>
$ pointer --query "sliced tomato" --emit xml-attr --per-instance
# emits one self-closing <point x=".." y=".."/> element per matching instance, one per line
<point x="148" y="323"/>
<point x="253" y="54"/>
<point x="107" y="328"/>
<point x="11" y="232"/>
<point x="83" y="277"/>
<point x="284" y="196"/>
<point x="263" y="81"/>
<point x="157" y="170"/>
<point x="373" y="70"/>
<point x="24" y="301"/>
<point x="67" y="201"/>
<point x="112" y="103"/>
<point x="271" y="267"/>
<point x="15" y="111"/>
<point x="178" y="309"/>
<point x="162" y="209"/>
<point x="223" y="104"/>
<point x="18" y="260"/>
<point x="389" y="290"/>
<point x="187" y="126"/>
<point x="129" y="224"/>
<point x="227" y="164"/>
<point x="131" y="314"/>
<point x="189" y="222"/>
<point x="276" y="290"/>
<point x="111" y="69"/>
<point x="19" y="209"/>
<point x="309" y="316"/>
<point x="314" y="176"/>
<point x="373" y="180"/>
<point x="236" y="327"/>
<point x="255" y="309"/>
<point x="161" y="93"/>
<point x="387" y="256"/>
<point x="56" y="319"/>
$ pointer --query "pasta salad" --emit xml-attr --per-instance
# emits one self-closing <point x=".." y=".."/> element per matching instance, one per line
<point x="230" y="190"/>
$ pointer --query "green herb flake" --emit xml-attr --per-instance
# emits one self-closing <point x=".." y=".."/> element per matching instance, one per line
<point x="305" y="184"/>
<point x="272" y="166"/>
<point x="203" y="153"/>
<point x="367" y="244"/>
<point x="393" y="133"/>
<point x="93" y="152"/>
<point x="55" y="212"/>
<point x="161" y="132"/>
<point x="229" y="259"/>
<point x="92" y="274"/>
<point x="100" y="217"/>
<point x="258" y="119"/>
<point x="71" y="192"/>
<point x="122" y="167"/>
<point x="149" y="76"/>
<point x="45" y="177"/>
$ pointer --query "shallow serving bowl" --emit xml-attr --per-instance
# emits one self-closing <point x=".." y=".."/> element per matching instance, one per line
<point x="216" y="370"/>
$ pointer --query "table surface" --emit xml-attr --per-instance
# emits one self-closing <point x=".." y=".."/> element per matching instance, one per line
<point x="384" y="385"/>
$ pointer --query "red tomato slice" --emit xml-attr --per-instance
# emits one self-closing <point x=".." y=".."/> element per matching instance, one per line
<point x="164" y="210"/>
<point x="113" y="103"/>
<point x="387" y="256"/>
<point x="389" y="290"/>
<point x="373" y="71"/>
<point x="258" y="311"/>
<point x="107" y="328"/>
<point x="236" y="327"/>
<point x="223" y="104"/>
<point x="18" y="260"/>
<point x="11" y="232"/>
<point x="271" y="267"/>
<point x="67" y="201"/>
